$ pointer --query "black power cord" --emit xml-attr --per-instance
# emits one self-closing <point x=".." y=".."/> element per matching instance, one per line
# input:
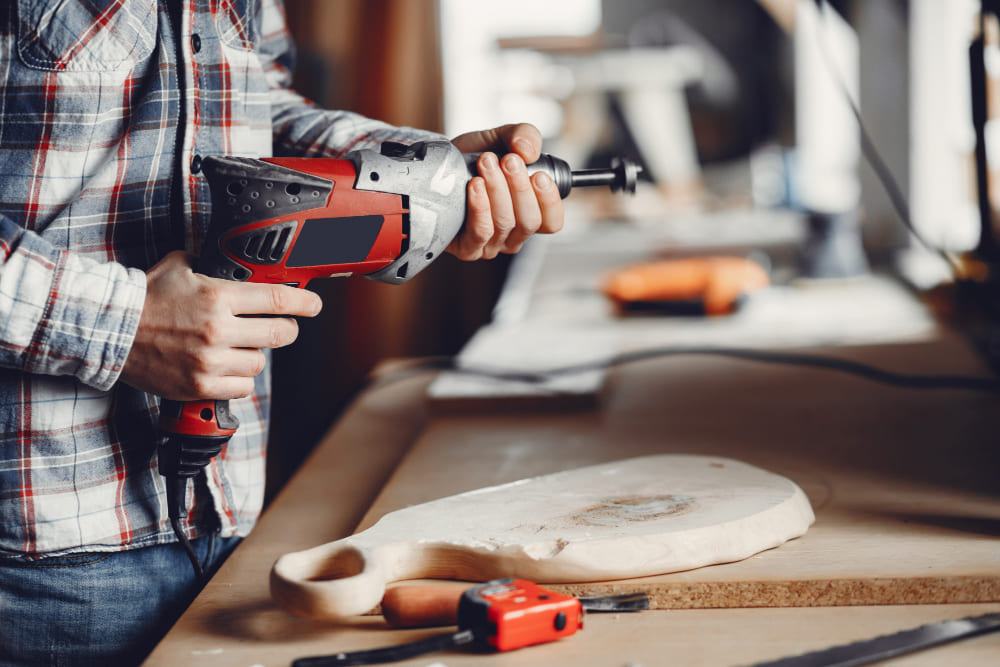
<point x="822" y="362"/>
<point x="872" y="154"/>
<point x="176" y="487"/>
<point x="184" y="457"/>
<point x="376" y="656"/>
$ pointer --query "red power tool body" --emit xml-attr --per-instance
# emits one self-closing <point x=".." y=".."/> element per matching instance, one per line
<point x="280" y="221"/>
<point x="385" y="214"/>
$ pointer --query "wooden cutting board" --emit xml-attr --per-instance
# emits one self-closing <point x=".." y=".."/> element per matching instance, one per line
<point x="631" y="518"/>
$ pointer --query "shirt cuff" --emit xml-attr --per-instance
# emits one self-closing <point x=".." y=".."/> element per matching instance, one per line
<point x="94" y="312"/>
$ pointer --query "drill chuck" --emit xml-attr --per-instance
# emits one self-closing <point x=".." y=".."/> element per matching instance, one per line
<point x="621" y="175"/>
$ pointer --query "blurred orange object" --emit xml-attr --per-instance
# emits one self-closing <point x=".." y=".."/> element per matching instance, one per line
<point x="715" y="283"/>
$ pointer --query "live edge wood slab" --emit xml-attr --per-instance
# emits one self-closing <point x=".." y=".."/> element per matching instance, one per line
<point x="629" y="518"/>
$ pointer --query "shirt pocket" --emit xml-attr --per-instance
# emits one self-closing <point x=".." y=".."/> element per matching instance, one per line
<point x="237" y="23"/>
<point x="85" y="35"/>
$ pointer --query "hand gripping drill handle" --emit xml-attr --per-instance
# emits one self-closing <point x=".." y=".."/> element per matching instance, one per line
<point x="385" y="214"/>
<point x="196" y="431"/>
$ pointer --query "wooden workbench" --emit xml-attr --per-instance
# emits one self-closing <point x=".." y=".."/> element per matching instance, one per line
<point x="903" y="482"/>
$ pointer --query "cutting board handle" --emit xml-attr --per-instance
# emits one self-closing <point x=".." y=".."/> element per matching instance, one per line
<point x="333" y="580"/>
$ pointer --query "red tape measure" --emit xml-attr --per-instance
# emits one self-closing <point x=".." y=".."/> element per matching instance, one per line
<point x="513" y="613"/>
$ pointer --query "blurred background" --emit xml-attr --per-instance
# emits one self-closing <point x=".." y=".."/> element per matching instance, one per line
<point x="731" y="106"/>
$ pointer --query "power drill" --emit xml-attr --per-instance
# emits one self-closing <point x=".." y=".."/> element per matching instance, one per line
<point x="385" y="214"/>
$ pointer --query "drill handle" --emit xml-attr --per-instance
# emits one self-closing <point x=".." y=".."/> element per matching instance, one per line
<point x="205" y="419"/>
<point x="196" y="432"/>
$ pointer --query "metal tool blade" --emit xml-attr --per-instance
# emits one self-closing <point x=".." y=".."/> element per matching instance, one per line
<point x="890" y="646"/>
<point x="612" y="603"/>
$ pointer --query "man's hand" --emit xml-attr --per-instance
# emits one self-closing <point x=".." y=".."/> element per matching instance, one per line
<point x="192" y="343"/>
<point x="505" y="206"/>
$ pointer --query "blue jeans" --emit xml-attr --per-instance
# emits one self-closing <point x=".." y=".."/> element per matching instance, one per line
<point x="98" y="608"/>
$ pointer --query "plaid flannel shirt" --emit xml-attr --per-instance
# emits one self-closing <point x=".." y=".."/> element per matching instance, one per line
<point x="105" y="108"/>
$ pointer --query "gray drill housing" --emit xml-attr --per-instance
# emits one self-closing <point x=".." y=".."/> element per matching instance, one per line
<point x="432" y="175"/>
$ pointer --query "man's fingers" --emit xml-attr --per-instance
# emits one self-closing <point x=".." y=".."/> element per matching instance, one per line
<point x="222" y="388"/>
<point x="481" y="140"/>
<point x="261" y="299"/>
<point x="501" y="204"/>
<point x="524" y="139"/>
<point x="478" y="230"/>
<point x="224" y="373"/>
<point x="240" y="363"/>
<point x="521" y="138"/>
<point x="525" y="204"/>
<point x="263" y="332"/>
<point x="193" y="341"/>
<point x="549" y="203"/>
<point x="515" y="206"/>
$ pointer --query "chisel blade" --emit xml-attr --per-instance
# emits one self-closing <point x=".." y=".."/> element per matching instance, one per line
<point x="892" y="645"/>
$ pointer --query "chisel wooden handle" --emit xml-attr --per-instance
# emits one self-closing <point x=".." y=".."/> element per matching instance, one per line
<point x="422" y="606"/>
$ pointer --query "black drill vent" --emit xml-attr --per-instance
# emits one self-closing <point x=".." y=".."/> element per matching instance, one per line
<point x="263" y="246"/>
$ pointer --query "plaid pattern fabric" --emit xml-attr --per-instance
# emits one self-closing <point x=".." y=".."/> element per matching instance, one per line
<point x="104" y="105"/>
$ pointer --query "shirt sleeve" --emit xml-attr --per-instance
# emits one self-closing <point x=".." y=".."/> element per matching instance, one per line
<point x="302" y="128"/>
<point x="64" y="314"/>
